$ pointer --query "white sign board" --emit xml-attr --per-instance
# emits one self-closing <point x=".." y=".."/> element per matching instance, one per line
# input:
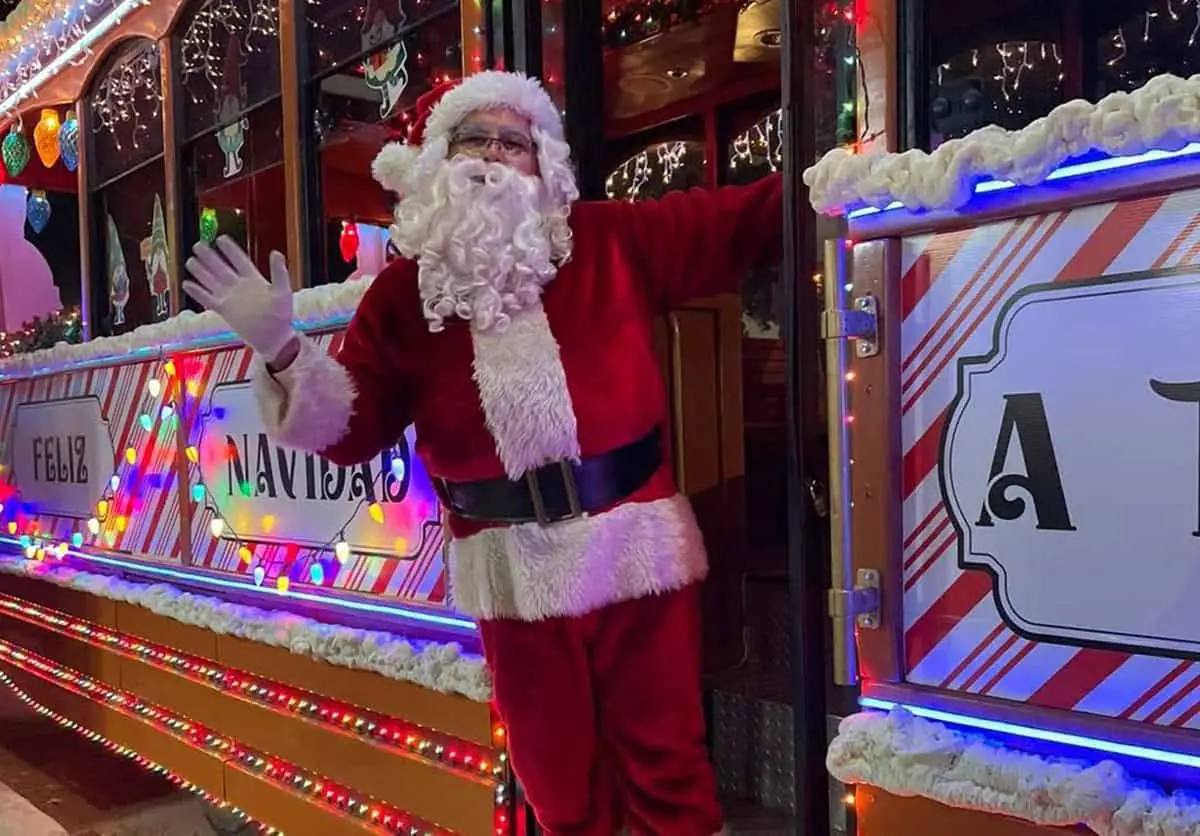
<point x="270" y="494"/>
<point x="62" y="456"/>
<point x="1071" y="463"/>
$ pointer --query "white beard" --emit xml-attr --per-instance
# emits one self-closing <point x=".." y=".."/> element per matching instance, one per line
<point x="486" y="241"/>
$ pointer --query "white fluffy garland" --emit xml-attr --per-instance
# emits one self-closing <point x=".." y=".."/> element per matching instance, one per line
<point x="1162" y="115"/>
<point x="910" y="756"/>
<point x="315" y="306"/>
<point x="439" y="667"/>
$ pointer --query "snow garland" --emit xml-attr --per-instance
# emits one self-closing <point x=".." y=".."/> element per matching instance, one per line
<point x="1163" y="115"/>
<point x="439" y="667"/>
<point x="315" y="306"/>
<point x="910" y="756"/>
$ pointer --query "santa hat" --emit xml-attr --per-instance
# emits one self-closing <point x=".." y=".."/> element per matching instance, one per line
<point x="440" y="110"/>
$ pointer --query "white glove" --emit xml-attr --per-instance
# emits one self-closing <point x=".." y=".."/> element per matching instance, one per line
<point x="258" y="311"/>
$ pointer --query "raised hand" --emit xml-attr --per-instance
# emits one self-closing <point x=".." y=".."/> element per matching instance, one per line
<point x="257" y="310"/>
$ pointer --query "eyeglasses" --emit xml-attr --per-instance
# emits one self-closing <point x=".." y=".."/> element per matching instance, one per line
<point x="474" y="142"/>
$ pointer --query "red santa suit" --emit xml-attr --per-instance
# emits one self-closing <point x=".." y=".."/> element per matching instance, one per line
<point x="590" y="625"/>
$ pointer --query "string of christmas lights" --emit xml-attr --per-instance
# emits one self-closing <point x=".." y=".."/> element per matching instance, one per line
<point x="129" y="754"/>
<point x="761" y="144"/>
<point x="37" y="31"/>
<point x="204" y="48"/>
<point x="129" y="87"/>
<point x="317" y="788"/>
<point x="162" y="400"/>
<point x="453" y="753"/>
<point x="1015" y="61"/>
<point x="659" y="163"/>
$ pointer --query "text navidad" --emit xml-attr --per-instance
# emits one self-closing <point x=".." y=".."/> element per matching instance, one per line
<point x="1070" y="463"/>
<point x="265" y="492"/>
<point x="257" y="468"/>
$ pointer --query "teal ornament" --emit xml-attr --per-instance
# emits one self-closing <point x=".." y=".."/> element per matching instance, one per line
<point x="15" y="151"/>
<point x="37" y="211"/>
<point x="68" y="141"/>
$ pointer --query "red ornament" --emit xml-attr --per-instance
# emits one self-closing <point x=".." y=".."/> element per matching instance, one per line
<point x="349" y="241"/>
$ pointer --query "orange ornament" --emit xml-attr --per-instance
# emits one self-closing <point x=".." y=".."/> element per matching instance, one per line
<point x="45" y="137"/>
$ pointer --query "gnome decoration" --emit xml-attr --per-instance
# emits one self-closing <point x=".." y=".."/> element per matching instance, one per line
<point x="118" y="275"/>
<point x="154" y="256"/>
<point x="231" y="100"/>
<point x="386" y="70"/>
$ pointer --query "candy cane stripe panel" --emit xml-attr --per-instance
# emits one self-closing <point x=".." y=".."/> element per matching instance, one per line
<point x="1169" y="709"/>
<point x="940" y="618"/>
<point x="1024" y="675"/>
<point x="969" y="286"/>
<point x="931" y="258"/>
<point x="926" y="395"/>
<point x="1113" y="237"/>
<point x="1166" y="688"/>
<point x="943" y="372"/>
<point x="951" y="622"/>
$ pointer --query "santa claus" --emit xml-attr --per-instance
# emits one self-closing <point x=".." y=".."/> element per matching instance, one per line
<point x="515" y="331"/>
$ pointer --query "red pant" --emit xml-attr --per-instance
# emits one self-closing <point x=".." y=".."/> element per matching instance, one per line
<point x="605" y="722"/>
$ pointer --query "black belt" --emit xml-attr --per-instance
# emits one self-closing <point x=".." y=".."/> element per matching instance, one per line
<point x="558" y="491"/>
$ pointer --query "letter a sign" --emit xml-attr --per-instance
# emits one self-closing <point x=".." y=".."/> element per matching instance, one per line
<point x="1070" y="463"/>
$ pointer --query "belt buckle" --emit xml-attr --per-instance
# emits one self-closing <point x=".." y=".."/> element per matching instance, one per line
<point x="569" y="487"/>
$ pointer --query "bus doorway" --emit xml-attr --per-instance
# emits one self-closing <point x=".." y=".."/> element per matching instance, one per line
<point x="694" y="95"/>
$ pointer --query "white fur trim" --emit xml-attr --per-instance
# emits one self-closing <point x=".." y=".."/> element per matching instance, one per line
<point x="393" y="164"/>
<point x="439" y="667"/>
<point x="523" y="391"/>
<point x="309" y="404"/>
<point x="531" y="572"/>
<point x="492" y="89"/>
<point x="910" y="756"/>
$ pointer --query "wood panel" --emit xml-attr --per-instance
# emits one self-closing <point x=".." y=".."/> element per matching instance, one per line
<point x="876" y="537"/>
<point x="421" y="788"/>
<point x="448" y="713"/>
<point x="883" y="814"/>
<point x="451" y="714"/>
<point x="102" y="611"/>
<point x="700" y="347"/>
<point x="66" y="650"/>
<point x="201" y="768"/>
<point x="704" y="344"/>
<point x="283" y="810"/>
<point x="138" y="621"/>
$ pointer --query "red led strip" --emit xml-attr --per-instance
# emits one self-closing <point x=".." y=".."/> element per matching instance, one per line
<point x="126" y="752"/>
<point x="408" y="738"/>
<point x="381" y="817"/>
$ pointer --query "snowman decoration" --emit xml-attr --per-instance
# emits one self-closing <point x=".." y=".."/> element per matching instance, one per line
<point x="231" y="99"/>
<point x="154" y="257"/>
<point x="385" y="70"/>
<point x="118" y="275"/>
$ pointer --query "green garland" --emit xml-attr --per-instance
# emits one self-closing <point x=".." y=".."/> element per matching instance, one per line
<point x="43" y="332"/>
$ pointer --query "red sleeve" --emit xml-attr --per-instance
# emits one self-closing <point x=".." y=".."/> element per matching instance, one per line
<point x="372" y="353"/>
<point x="703" y="242"/>
<point x="351" y="406"/>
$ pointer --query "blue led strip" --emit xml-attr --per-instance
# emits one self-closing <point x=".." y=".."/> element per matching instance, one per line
<point x="1095" y="744"/>
<point x="1066" y="172"/>
<point x="199" y="579"/>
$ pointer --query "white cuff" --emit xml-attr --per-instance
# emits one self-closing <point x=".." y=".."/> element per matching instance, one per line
<point x="309" y="404"/>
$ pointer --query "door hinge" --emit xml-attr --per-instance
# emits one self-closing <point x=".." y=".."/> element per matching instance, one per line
<point x="860" y="603"/>
<point x="860" y="324"/>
